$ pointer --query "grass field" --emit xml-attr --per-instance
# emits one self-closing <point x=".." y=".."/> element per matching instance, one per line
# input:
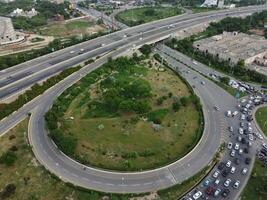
<point x="138" y="16"/>
<point x="33" y="182"/>
<point x="127" y="141"/>
<point x="203" y="9"/>
<point x="261" y="117"/>
<point x="67" y="29"/>
<point x="256" y="188"/>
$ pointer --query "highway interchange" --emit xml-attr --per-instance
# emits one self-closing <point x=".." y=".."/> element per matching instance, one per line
<point x="216" y="124"/>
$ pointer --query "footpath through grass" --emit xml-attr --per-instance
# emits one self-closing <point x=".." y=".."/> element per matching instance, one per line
<point x="261" y="117"/>
<point x="138" y="16"/>
<point x="256" y="188"/>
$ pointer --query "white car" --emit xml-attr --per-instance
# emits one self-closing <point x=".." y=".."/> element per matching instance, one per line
<point x="243" y="117"/>
<point x="250" y="137"/>
<point x="72" y="52"/>
<point x="236" y="184"/>
<point x="228" y="164"/>
<point x="217" y="192"/>
<point x="244" y="171"/>
<point x="249" y="129"/>
<point x="216" y="174"/>
<point x="229" y="145"/>
<point x="235" y="113"/>
<point x="227" y="182"/>
<point x="217" y="181"/>
<point x="229" y="113"/>
<point x="232" y="153"/>
<point x="241" y="131"/>
<point x="240" y="151"/>
<point x="232" y="170"/>
<point x="197" y="195"/>
<point x="231" y="129"/>
<point x="236" y="146"/>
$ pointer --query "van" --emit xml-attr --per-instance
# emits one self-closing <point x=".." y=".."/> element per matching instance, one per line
<point x="229" y="113"/>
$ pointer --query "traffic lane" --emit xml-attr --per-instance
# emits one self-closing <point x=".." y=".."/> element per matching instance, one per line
<point x="138" y="29"/>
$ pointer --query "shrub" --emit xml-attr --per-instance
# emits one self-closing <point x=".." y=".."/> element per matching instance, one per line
<point x="8" y="158"/>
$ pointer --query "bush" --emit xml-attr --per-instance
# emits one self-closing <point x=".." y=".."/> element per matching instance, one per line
<point x="176" y="106"/>
<point x="8" y="191"/>
<point x="8" y="158"/>
<point x="184" y="101"/>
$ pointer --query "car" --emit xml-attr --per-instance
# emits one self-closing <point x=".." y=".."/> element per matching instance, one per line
<point x="236" y="184"/>
<point x="232" y="154"/>
<point x="209" y="190"/>
<point x="206" y="182"/>
<point x="197" y="195"/>
<point x="241" y="131"/>
<point x="236" y="146"/>
<point x="225" y="172"/>
<point x="242" y="124"/>
<point x="216" y="174"/>
<point x="249" y="143"/>
<point x="103" y="44"/>
<point x="221" y="166"/>
<point x="202" y="83"/>
<point x="240" y="151"/>
<point x="233" y="170"/>
<point x="231" y="129"/>
<point x="217" y="192"/>
<point x="229" y="113"/>
<point x="264" y="145"/>
<point x="217" y="181"/>
<point x="228" y="164"/>
<point x="225" y="193"/>
<point x="247" y="161"/>
<point x="72" y="52"/>
<point x="246" y="150"/>
<point x="229" y="145"/>
<point x="249" y="129"/>
<point x="243" y="117"/>
<point x="235" y="113"/>
<point x="227" y="182"/>
<point x="237" y="161"/>
<point x="244" y="171"/>
<point x="243" y="140"/>
<point x="195" y="62"/>
<point x="250" y="137"/>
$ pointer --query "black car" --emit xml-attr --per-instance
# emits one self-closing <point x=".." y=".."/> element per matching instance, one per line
<point x="246" y="150"/>
<point x="225" y="193"/>
<point x="221" y="166"/>
<point x="225" y="173"/>
<point x="237" y="161"/>
<point x="247" y="161"/>
<point x="243" y="140"/>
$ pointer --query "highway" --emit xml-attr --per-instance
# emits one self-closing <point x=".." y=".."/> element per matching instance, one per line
<point x="70" y="171"/>
<point x="16" y="79"/>
<point x="171" y="57"/>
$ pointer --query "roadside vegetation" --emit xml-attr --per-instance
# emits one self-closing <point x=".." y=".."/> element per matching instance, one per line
<point x="139" y="16"/>
<point x="37" y="89"/>
<point x="228" y="24"/>
<point x="257" y="185"/>
<point x="118" y="116"/>
<point x="261" y="117"/>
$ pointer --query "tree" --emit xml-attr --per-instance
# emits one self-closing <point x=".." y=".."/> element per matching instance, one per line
<point x="8" y="158"/>
<point x="225" y="79"/>
<point x="184" y="101"/>
<point x="146" y="49"/>
<point x="176" y="106"/>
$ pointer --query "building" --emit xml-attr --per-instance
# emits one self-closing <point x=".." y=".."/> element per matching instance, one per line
<point x="233" y="46"/>
<point x="210" y="3"/>
<point x="6" y="1"/>
<point x="21" y="13"/>
<point x="7" y="32"/>
<point x="57" y="1"/>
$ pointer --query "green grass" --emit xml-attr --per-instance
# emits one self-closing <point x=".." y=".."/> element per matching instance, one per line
<point x="62" y="29"/>
<point x="261" y="117"/>
<point x="138" y="16"/>
<point x="202" y="9"/>
<point x="126" y="140"/>
<point x="256" y="188"/>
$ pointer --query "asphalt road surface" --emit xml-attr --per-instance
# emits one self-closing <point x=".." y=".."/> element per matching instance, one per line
<point x="15" y="79"/>
<point x="71" y="171"/>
